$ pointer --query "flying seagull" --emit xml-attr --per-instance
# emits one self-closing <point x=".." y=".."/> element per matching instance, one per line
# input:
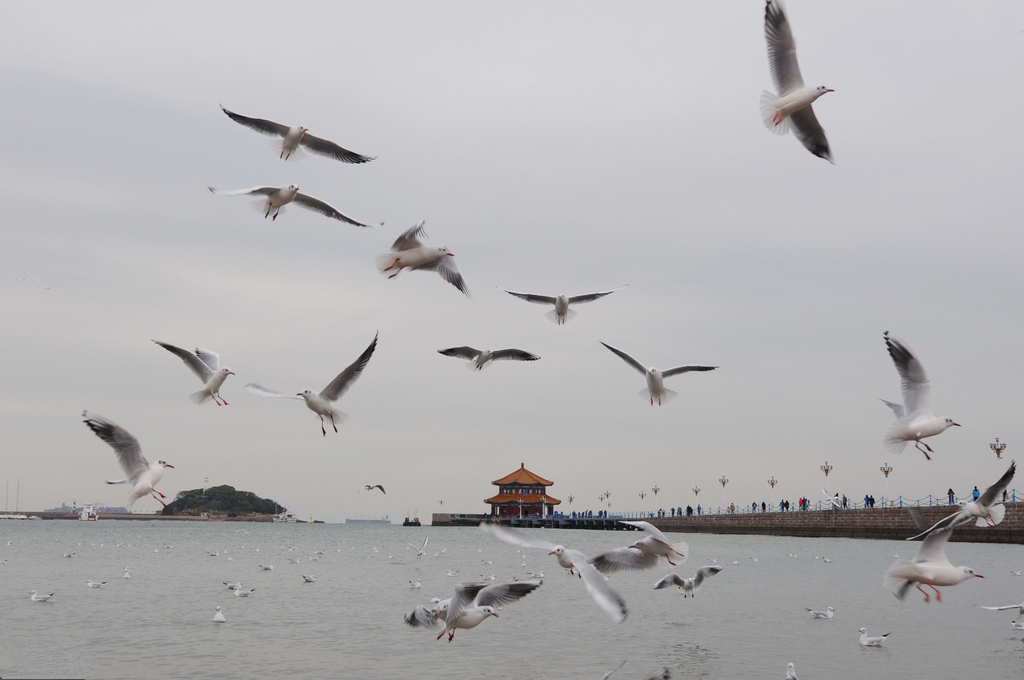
<point x="561" y="313"/>
<point x="408" y="252"/>
<point x="687" y="585"/>
<point x="420" y="552"/>
<point x="655" y="390"/>
<point x="481" y="358"/>
<point x="139" y="472"/>
<point x="205" y="364"/>
<point x="278" y="197"/>
<point x="371" y="487"/>
<point x="472" y="604"/>
<point x="914" y="419"/>
<point x="1018" y="607"/>
<point x="930" y="567"/>
<point x="320" y="404"/>
<point x="642" y="555"/>
<point x="793" y="102"/>
<point x="295" y="137"/>
<point x="987" y="509"/>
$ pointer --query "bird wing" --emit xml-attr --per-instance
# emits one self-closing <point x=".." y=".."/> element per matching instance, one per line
<point x="781" y="49"/>
<point x="195" y="363"/>
<point x="421" y="617"/>
<point x="1000" y="609"/>
<point x="628" y="359"/>
<point x="609" y="673"/>
<point x="934" y="548"/>
<point x="515" y="537"/>
<point x="590" y="297"/>
<point x="670" y="580"/>
<point x="685" y="369"/>
<point x="993" y="492"/>
<point x="425" y="541"/>
<point x="344" y="380"/>
<point x="650" y="529"/>
<point x="914" y="381"/>
<point x="947" y="523"/>
<point x="513" y="355"/>
<point x="261" y="191"/>
<point x="409" y="238"/>
<point x="623" y="559"/>
<point x="464" y="352"/>
<point x="261" y="125"/>
<point x="129" y="453"/>
<point x="262" y="391"/>
<point x="597" y="586"/>
<point x="536" y="299"/>
<point x="449" y="271"/>
<point x="703" y="573"/>
<point x="465" y="593"/>
<point x="499" y="594"/>
<point x="324" y="147"/>
<point x="209" y="357"/>
<point x="378" y="486"/>
<point x="316" y="205"/>
<point x="897" y="409"/>
<point x="810" y="133"/>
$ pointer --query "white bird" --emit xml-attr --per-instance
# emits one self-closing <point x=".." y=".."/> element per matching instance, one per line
<point x="420" y="552"/>
<point x="655" y="390"/>
<point x="561" y="313"/>
<point x="213" y="554"/>
<point x="267" y="567"/>
<point x="791" y="672"/>
<point x="140" y="473"/>
<point x="914" y="419"/>
<point x="827" y="614"/>
<point x="481" y="358"/>
<point x="244" y="593"/>
<point x="687" y="585"/>
<point x="205" y="364"/>
<point x="308" y="579"/>
<point x="1015" y="573"/>
<point x="413" y="585"/>
<point x="371" y="487"/>
<point x="492" y="577"/>
<point x="218" y="617"/>
<point x="988" y="509"/>
<point x="95" y="584"/>
<point x="320" y="404"/>
<point x="930" y="566"/>
<point x="471" y="605"/>
<point x="127" y="573"/>
<point x="294" y="139"/>
<point x="794" y="99"/>
<point x="1019" y="625"/>
<point x="1018" y="607"/>
<point x="642" y="555"/>
<point x="278" y="197"/>
<point x="35" y="597"/>
<point x="408" y="252"/>
<point x="866" y="641"/>
<point x="575" y="561"/>
<point x="663" y="674"/>
<point x="232" y="586"/>
<point x="69" y="555"/>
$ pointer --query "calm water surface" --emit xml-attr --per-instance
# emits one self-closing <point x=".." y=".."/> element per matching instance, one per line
<point x="747" y="622"/>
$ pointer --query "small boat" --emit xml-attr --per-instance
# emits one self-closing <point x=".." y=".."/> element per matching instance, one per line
<point x="414" y="522"/>
<point x="368" y="520"/>
<point x="286" y="517"/>
<point x="88" y="513"/>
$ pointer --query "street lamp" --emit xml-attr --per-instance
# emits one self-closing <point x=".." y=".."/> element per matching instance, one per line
<point x="643" y="495"/>
<point x="723" y="480"/>
<point x="570" y="499"/>
<point x="998" y="447"/>
<point x="696" y="491"/>
<point x="826" y="468"/>
<point x="886" y="469"/>
<point x="773" y="482"/>
<point x="655" y="489"/>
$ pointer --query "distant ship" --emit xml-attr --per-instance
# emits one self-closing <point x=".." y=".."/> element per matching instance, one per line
<point x="414" y="522"/>
<point x="88" y="513"/>
<point x="286" y="516"/>
<point x="382" y="520"/>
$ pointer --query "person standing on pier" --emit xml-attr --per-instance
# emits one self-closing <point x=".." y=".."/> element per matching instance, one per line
<point x="952" y="497"/>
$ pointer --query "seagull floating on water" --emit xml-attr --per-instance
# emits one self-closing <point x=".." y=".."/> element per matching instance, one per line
<point x="218" y="617"/>
<point x="656" y="390"/>
<point x="866" y="641"/>
<point x="309" y="579"/>
<point x="276" y="198"/>
<point x="244" y="593"/>
<point x="95" y="584"/>
<point x="930" y="567"/>
<point x="205" y="364"/>
<point x="827" y="614"/>
<point x="561" y="313"/>
<point x="988" y="509"/>
<point x="481" y="358"/>
<point x="408" y="252"/>
<point x="35" y="597"/>
<point x="140" y="473"/>
<point x="472" y="604"/>
<point x="687" y="585"/>
<point x="295" y="139"/>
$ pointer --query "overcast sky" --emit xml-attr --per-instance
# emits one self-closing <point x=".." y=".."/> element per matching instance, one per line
<point x="555" y="148"/>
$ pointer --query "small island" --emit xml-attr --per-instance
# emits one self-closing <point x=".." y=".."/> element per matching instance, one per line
<point x="223" y="502"/>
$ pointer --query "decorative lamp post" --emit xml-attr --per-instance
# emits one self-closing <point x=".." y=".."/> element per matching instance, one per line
<point x="772" y="481"/>
<point x="440" y="502"/>
<point x="696" y="491"/>
<point x="723" y="480"/>
<point x="643" y="494"/>
<point x="826" y="468"/>
<point x="886" y="469"/>
<point x="655" y="489"/>
<point x="570" y="499"/>
<point x="998" y="447"/>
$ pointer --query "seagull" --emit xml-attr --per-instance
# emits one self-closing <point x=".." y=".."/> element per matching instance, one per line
<point x="95" y="584"/>
<point x="371" y="487"/>
<point x="561" y="313"/>
<point x="1018" y="607"/>
<point x="793" y="102"/>
<point x="232" y="586"/>
<point x="418" y="583"/>
<point x="827" y="614"/>
<point x="575" y="561"/>
<point x="480" y="359"/>
<point x="278" y="197"/>
<point x="296" y="137"/>
<point x="930" y="566"/>
<point x="655" y="389"/>
<point x="914" y="419"/>
<point x="127" y="573"/>
<point x="642" y="555"/>
<point x="866" y="641"/>
<point x="320" y="404"/>
<point x="408" y="252"/>
<point x="663" y="674"/>
<point x="687" y="585"/>
<point x="244" y="593"/>
<point x="205" y="364"/>
<point x="987" y="509"/>
<point x="213" y="554"/>
<point x="1015" y="573"/>
<point x="791" y="672"/>
<point x="219" y="616"/>
<point x="267" y="567"/>
<point x="140" y="473"/>
<point x="420" y="552"/>
<point x="1019" y="625"/>
<point x="69" y="555"/>
<point x="309" y="579"/>
<point x="471" y="605"/>
<point x="35" y="597"/>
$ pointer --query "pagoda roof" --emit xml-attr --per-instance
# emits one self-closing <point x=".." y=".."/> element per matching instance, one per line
<point x="522" y="476"/>
<point x="525" y="499"/>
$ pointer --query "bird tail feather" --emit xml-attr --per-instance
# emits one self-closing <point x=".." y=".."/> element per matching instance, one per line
<point x="894" y="438"/>
<point x="386" y="261"/>
<point x="997" y="513"/>
<point x="278" y="146"/>
<point x="200" y="397"/>
<point x="768" y="112"/>
<point x="668" y="395"/>
<point x="552" y="316"/>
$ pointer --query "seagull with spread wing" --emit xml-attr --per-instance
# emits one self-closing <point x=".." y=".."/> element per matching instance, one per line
<point x="642" y="555"/>
<point x="295" y="139"/>
<point x="988" y="510"/>
<point x="371" y="487"/>
<point x="792" y="105"/>
<point x="408" y="252"/>
<point x="930" y="567"/>
<point x="472" y="604"/>
<point x="561" y="313"/>
<point x="914" y="419"/>
<point x="276" y="198"/>
<point x="481" y="358"/>
<point x="655" y="390"/>
<point x="139" y="472"/>
<point x="687" y="585"/>
<point x="597" y="586"/>
<point x="321" y="404"/>
<point x="205" y="364"/>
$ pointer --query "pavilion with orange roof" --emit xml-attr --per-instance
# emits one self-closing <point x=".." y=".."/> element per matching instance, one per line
<point x="522" y="494"/>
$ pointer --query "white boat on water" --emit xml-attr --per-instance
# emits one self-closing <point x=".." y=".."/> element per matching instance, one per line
<point x="88" y="513"/>
<point x="8" y="516"/>
<point x="286" y="516"/>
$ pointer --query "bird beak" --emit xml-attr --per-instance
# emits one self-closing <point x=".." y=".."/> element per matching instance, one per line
<point x="453" y="255"/>
<point x="231" y="372"/>
<point x="298" y="394"/>
<point x="168" y="465"/>
<point x="494" y="615"/>
<point x="955" y="425"/>
<point x="979" y="576"/>
<point x="552" y="552"/>
<point x="829" y="90"/>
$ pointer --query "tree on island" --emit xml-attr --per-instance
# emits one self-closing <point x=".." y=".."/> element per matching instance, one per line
<point x="221" y="500"/>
